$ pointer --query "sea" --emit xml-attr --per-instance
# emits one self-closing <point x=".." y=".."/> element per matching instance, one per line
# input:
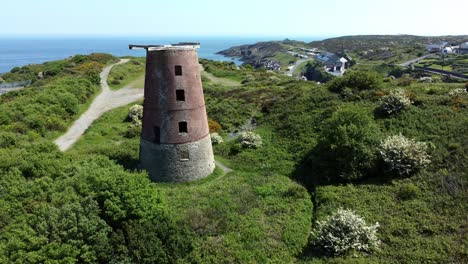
<point x="20" y="51"/>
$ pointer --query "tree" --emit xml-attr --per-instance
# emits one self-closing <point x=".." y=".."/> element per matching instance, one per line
<point x="347" y="148"/>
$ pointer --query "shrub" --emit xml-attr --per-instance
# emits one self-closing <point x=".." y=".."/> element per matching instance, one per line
<point x="135" y="113"/>
<point x="345" y="232"/>
<point x="408" y="192"/>
<point x="394" y="102"/>
<point x="358" y="80"/>
<point x="404" y="81"/>
<point x="425" y="79"/>
<point x="402" y="155"/>
<point x="133" y="130"/>
<point x="15" y="69"/>
<point x="347" y="149"/>
<point x="457" y="92"/>
<point x="216" y="139"/>
<point x="250" y="140"/>
<point x="214" y="126"/>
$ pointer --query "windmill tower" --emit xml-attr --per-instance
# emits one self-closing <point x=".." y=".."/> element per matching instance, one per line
<point x="175" y="143"/>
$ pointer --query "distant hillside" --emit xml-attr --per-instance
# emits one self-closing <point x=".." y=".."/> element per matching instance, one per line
<point x="383" y="47"/>
<point x="369" y="48"/>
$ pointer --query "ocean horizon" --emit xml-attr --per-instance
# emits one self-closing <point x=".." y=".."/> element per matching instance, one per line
<point x="17" y="51"/>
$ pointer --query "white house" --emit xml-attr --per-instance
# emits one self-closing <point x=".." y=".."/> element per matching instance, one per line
<point x="332" y="62"/>
<point x="447" y="50"/>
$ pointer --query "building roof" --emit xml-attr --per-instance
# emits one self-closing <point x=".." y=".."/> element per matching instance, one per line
<point x="328" y="58"/>
<point x="178" y="46"/>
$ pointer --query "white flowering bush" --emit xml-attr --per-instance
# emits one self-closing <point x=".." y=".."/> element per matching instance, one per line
<point x="345" y="232"/>
<point x="403" y="155"/>
<point x="425" y="79"/>
<point x="457" y="91"/>
<point x="216" y="139"/>
<point x="135" y="113"/>
<point x="394" y="102"/>
<point x="250" y="140"/>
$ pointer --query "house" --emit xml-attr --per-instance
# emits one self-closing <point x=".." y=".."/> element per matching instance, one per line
<point x="448" y="50"/>
<point x="433" y="48"/>
<point x="332" y="62"/>
<point x="463" y="49"/>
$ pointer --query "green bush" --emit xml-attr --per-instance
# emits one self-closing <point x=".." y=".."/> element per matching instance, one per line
<point x="402" y="155"/>
<point x="345" y="232"/>
<point x="358" y="80"/>
<point x="347" y="148"/>
<point x="408" y="191"/>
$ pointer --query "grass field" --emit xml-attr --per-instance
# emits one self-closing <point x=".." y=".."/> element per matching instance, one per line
<point x="124" y="74"/>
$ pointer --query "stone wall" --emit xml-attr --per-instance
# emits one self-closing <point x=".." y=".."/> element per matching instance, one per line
<point x="177" y="162"/>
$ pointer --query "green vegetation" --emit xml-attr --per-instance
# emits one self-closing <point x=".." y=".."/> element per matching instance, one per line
<point x="325" y="136"/>
<point x="313" y="70"/>
<point x="383" y="48"/>
<point x="448" y="62"/>
<point x="223" y="70"/>
<point x="51" y="103"/>
<point x="126" y="73"/>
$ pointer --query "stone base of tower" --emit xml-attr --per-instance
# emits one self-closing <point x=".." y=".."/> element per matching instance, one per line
<point x="177" y="162"/>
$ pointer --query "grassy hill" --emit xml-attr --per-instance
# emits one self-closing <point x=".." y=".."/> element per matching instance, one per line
<point x="90" y="205"/>
<point x="383" y="48"/>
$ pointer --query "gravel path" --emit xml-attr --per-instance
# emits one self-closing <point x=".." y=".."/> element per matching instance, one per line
<point x="105" y="101"/>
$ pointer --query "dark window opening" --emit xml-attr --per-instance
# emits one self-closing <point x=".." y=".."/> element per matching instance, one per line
<point x="157" y="135"/>
<point x="184" y="155"/>
<point x="178" y="70"/>
<point x="180" y="95"/>
<point x="183" y="127"/>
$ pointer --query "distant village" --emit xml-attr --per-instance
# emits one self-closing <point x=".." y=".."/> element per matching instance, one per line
<point x="332" y="63"/>
<point x="445" y="47"/>
<point x="336" y="64"/>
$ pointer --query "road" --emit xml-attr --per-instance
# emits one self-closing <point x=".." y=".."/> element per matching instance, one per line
<point x="105" y="101"/>
<point x="296" y="65"/>
<point x="407" y="63"/>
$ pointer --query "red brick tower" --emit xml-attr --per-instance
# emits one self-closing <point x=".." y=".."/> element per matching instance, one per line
<point x="175" y="142"/>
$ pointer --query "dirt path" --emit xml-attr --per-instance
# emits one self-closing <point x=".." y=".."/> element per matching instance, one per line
<point x="296" y="65"/>
<point x="225" y="168"/>
<point x="105" y="101"/>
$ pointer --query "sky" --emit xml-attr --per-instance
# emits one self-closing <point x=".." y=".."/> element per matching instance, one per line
<point x="232" y="18"/>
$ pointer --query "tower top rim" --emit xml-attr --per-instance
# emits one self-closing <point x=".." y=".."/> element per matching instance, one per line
<point x="178" y="46"/>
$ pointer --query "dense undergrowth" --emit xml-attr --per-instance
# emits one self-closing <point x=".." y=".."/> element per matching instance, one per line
<point x="90" y="205"/>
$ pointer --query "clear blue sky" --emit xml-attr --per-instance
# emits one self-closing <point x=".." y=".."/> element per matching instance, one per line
<point x="233" y="18"/>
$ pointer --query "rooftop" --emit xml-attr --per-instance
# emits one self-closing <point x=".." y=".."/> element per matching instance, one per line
<point x="178" y="46"/>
